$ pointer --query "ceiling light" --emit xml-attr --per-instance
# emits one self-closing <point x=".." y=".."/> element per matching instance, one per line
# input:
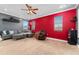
<point x="20" y="19"/>
<point x="5" y="9"/>
<point x="62" y="6"/>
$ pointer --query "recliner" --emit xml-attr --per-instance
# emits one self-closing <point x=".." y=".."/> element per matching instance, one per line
<point x="41" y="35"/>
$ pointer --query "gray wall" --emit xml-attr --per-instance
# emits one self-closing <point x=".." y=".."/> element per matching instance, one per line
<point x="9" y="25"/>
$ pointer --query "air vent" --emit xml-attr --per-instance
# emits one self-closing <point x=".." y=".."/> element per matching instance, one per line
<point x="11" y="20"/>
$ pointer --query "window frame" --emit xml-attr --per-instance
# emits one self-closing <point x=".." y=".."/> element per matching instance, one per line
<point x="33" y="25"/>
<point x="58" y="25"/>
<point x="26" y="28"/>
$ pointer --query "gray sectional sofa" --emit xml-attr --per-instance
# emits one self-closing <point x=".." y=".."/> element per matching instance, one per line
<point x="10" y="34"/>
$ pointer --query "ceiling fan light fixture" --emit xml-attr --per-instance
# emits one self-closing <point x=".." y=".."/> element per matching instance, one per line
<point x="30" y="10"/>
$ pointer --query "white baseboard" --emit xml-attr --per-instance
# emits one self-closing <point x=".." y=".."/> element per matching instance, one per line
<point x="49" y="38"/>
<point x="78" y="45"/>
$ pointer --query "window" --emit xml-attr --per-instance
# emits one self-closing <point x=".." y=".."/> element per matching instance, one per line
<point x="25" y="24"/>
<point x="33" y="25"/>
<point x="58" y="23"/>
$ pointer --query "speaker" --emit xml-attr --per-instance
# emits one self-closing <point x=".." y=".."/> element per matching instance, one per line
<point x="73" y="37"/>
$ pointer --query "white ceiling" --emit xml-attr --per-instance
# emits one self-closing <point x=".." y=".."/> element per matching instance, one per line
<point x="44" y="9"/>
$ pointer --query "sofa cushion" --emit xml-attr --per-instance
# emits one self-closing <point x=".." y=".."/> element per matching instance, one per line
<point x="11" y="32"/>
<point x="4" y="32"/>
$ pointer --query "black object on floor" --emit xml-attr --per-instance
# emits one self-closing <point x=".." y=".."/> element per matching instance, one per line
<point x="42" y="35"/>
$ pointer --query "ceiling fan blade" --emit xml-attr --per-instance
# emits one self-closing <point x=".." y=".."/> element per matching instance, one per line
<point x="28" y="6"/>
<point x="34" y="12"/>
<point x="35" y="9"/>
<point x="30" y="9"/>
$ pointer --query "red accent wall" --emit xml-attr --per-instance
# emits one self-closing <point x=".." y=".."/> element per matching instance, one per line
<point x="47" y="23"/>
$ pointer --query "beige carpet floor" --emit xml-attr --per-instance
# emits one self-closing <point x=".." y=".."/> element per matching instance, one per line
<point x="31" y="46"/>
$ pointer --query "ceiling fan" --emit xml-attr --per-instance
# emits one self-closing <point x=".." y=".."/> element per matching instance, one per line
<point x="30" y="10"/>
